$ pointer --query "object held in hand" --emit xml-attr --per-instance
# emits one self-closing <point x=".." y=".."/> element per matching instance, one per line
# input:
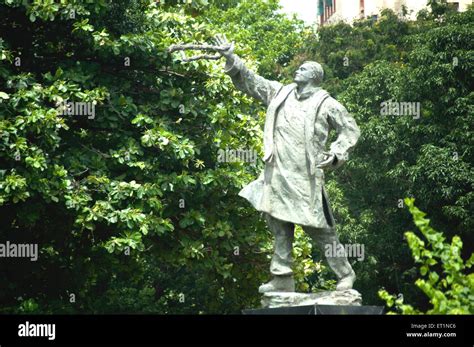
<point x="201" y="47"/>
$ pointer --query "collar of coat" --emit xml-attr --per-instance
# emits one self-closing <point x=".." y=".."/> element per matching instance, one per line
<point x="306" y="94"/>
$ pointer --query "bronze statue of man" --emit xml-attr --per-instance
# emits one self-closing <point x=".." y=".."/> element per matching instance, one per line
<point x="291" y="188"/>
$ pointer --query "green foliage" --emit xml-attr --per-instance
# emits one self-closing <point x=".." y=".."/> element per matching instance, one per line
<point x="130" y="208"/>
<point x="444" y="279"/>
<point x="305" y="268"/>
<point x="262" y="33"/>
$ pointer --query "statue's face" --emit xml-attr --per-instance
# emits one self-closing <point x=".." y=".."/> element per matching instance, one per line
<point x="303" y="74"/>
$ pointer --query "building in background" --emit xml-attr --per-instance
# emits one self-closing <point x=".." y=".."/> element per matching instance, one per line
<point x="331" y="11"/>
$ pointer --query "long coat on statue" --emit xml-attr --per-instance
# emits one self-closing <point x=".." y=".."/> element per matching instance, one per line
<point x="291" y="187"/>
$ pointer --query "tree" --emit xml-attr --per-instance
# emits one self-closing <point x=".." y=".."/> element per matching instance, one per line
<point x="130" y="207"/>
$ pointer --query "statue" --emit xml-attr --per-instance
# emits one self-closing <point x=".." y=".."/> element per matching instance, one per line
<point x="290" y="190"/>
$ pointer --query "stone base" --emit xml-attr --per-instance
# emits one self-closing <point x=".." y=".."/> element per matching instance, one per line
<point x="317" y="310"/>
<point x="349" y="297"/>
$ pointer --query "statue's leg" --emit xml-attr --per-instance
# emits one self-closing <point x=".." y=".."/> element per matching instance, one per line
<point x="282" y="259"/>
<point x="327" y="237"/>
<point x="283" y="233"/>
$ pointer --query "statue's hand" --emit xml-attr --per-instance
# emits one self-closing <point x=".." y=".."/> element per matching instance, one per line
<point x="221" y="40"/>
<point x="329" y="160"/>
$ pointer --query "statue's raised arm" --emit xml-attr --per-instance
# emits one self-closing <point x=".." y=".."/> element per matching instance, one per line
<point x="244" y="79"/>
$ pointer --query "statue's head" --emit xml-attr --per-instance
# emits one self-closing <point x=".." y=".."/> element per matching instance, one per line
<point x="309" y="72"/>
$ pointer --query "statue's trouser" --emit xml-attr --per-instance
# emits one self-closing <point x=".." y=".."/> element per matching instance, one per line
<point x="282" y="259"/>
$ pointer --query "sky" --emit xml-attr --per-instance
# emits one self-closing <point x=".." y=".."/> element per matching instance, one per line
<point x="305" y="9"/>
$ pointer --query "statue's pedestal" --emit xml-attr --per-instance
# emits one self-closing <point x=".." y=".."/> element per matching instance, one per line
<point x="349" y="297"/>
<point x="327" y="302"/>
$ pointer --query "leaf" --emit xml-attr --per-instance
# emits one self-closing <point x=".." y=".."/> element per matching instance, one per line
<point x="58" y="73"/>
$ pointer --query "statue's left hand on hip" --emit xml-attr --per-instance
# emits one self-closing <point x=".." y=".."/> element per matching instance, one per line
<point x="329" y="161"/>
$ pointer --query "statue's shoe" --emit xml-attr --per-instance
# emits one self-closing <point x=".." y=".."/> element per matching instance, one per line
<point x="278" y="284"/>
<point x="346" y="282"/>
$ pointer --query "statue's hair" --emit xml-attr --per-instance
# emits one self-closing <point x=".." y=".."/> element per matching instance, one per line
<point x="317" y="70"/>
